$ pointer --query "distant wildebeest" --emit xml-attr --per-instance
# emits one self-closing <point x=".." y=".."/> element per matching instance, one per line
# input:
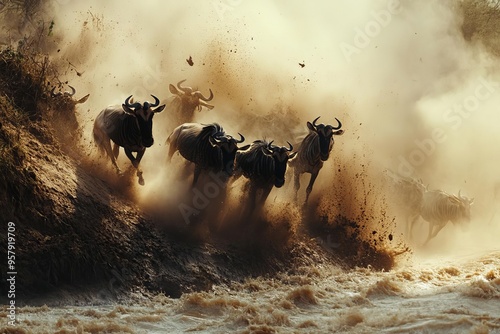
<point x="264" y="164"/>
<point x="438" y="208"/>
<point x="207" y="146"/>
<point x="53" y="94"/>
<point x="64" y="114"/>
<point x="129" y="126"/>
<point x="313" y="151"/>
<point x="186" y="100"/>
<point x="407" y="193"/>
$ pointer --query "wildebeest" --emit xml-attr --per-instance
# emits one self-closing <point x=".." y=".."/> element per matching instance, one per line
<point x="438" y="208"/>
<point x="314" y="149"/>
<point x="53" y="94"/>
<point x="407" y="193"/>
<point x="129" y="126"/>
<point x="207" y="146"/>
<point x="264" y="164"/>
<point x="64" y="115"/>
<point x="186" y="100"/>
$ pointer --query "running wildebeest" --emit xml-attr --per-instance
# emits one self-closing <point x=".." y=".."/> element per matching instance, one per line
<point x="186" y="100"/>
<point x="313" y="151"/>
<point x="207" y="146"/>
<point x="408" y="194"/>
<point x="264" y="164"/>
<point x="438" y="208"/>
<point x="129" y="126"/>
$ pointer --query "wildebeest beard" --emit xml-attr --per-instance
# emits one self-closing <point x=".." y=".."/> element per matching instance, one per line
<point x="279" y="174"/>
<point x="324" y="146"/>
<point x="146" y="131"/>
<point x="228" y="162"/>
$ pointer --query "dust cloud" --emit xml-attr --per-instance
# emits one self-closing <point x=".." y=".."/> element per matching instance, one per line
<point x="412" y="94"/>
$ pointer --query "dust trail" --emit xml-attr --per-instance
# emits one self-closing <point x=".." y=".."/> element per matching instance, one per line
<point x="412" y="93"/>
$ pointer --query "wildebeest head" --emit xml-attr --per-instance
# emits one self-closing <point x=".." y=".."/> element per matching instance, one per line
<point x="228" y="147"/>
<point x="143" y="113"/>
<point x="325" y="135"/>
<point x="53" y="94"/>
<point x="280" y="155"/>
<point x="190" y="98"/>
<point x="464" y="205"/>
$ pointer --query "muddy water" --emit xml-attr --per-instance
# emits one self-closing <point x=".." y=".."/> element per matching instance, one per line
<point x="438" y="294"/>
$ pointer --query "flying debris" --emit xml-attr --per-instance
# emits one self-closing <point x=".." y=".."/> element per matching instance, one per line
<point x="190" y="61"/>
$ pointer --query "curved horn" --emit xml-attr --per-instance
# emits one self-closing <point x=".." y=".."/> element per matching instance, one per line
<point x="242" y="139"/>
<point x="219" y="134"/>
<point x="52" y="92"/>
<point x="206" y="98"/>
<point x="291" y="147"/>
<point x="73" y="91"/>
<point x="127" y="103"/>
<point x="339" y="126"/>
<point x="180" y="87"/>
<point x="214" y="139"/>
<point x="157" y="101"/>
<point x="270" y="145"/>
<point x="314" y="122"/>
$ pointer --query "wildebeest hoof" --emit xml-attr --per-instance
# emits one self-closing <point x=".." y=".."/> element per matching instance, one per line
<point x="141" y="179"/>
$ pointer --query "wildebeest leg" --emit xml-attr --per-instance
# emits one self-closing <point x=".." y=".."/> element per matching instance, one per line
<point x="107" y="147"/>
<point x="265" y="194"/>
<point x="296" y="182"/>
<point x="197" y="172"/>
<point x="310" y="186"/>
<point x="171" y="151"/>
<point x="410" y="222"/>
<point x="135" y="162"/>
<point x="432" y="233"/>
<point x="138" y="158"/>
<point x="116" y="150"/>
<point x="252" y="199"/>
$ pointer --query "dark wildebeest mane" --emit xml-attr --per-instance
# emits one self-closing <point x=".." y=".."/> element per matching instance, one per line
<point x="197" y="146"/>
<point x="309" y="150"/>
<point x="255" y="162"/>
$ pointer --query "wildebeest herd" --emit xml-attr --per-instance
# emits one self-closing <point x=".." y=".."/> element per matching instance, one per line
<point x="263" y="163"/>
<point x="208" y="146"/>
